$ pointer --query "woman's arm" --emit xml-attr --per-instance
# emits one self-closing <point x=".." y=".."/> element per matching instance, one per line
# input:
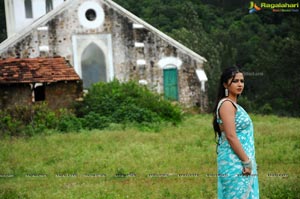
<point x="227" y="114"/>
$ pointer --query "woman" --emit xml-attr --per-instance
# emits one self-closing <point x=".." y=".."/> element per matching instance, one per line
<point x="237" y="174"/>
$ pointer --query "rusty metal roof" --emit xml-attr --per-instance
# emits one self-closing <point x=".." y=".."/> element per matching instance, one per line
<point x="37" y="70"/>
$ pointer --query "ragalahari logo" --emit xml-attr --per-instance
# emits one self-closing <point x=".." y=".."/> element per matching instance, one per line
<point x="275" y="7"/>
<point x="253" y="7"/>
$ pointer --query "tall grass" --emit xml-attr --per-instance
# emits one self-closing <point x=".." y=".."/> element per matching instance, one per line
<point x="175" y="162"/>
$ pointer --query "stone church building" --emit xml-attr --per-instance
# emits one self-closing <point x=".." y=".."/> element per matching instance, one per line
<point x="101" y="41"/>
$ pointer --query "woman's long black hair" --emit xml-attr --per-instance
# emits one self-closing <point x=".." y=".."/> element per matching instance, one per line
<point x="226" y="75"/>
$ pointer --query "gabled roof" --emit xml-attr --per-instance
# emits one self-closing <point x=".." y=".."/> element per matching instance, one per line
<point x="64" y="6"/>
<point x="36" y="70"/>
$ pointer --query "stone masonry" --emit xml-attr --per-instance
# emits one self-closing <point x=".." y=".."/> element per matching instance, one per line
<point x="137" y="47"/>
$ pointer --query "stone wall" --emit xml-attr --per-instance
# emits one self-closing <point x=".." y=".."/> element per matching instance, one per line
<point x="15" y="94"/>
<point x="125" y="54"/>
<point x="63" y="94"/>
<point x="58" y="95"/>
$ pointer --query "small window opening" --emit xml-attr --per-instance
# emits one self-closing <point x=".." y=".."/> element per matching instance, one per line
<point x="39" y="93"/>
<point x="28" y="8"/>
<point x="90" y="14"/>
<point x="49" y="5"/>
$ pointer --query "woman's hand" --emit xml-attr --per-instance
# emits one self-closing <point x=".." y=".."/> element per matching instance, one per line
<point x="246" y="171"/>
<point x="247" y="167"/>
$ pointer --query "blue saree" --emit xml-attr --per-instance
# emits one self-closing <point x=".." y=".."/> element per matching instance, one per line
<point x="231" y="183"/>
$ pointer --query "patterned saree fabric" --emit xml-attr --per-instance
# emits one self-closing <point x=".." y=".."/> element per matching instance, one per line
<point x="231" y="183"/>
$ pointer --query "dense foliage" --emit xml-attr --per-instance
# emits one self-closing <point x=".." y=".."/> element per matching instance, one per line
<point x="36" y="119"/>
<point x="263" y="44"/>
<point x="105" y="104"/>
<point x="117" y="102"/>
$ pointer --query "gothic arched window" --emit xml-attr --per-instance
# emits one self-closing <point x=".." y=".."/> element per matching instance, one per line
<point x="49" y="5"/>
<point x="93" y="65"/>
<point x="28" y="8"/>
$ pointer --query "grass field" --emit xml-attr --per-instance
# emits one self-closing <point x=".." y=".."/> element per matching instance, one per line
<point x="175" y="162"/>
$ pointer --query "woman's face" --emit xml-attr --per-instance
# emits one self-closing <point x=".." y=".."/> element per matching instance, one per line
<point x="235" y="85"/>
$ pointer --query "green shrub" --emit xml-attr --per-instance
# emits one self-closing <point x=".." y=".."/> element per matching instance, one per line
<point x="94" y="121"/>
<point x="266" y="109"/>
<point x="67" y="122"/>
<point x="132" y="113"/>
<point x="8" y="125"/>
<point x="105" y="103"/>
<point x="43" y="118"/>
<point x="36" y="119"/>
<point x="125" y="103"/>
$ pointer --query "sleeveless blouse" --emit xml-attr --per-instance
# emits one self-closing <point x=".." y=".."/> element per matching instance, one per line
<point x="231" y="183"/>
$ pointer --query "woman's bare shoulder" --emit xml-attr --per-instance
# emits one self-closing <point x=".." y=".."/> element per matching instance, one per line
<point x="227" y="106"/>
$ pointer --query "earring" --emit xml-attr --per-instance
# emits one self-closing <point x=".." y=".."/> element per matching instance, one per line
<point x="226" y="92"/>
